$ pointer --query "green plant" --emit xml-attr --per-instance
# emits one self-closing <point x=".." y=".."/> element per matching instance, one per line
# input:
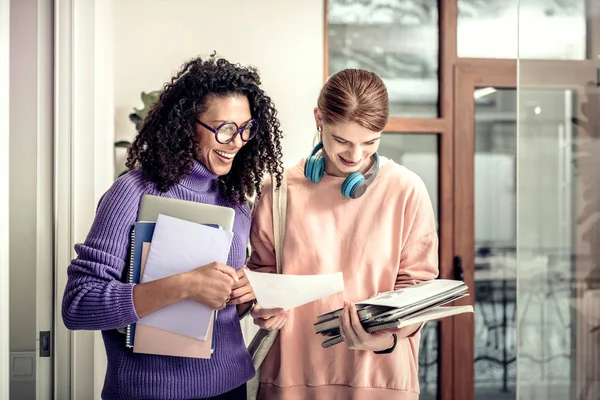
<point x="138" y="117"/>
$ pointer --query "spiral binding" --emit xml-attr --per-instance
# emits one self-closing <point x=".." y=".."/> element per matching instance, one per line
<point x="380" y="327"/>
<point x="130" y="280"/>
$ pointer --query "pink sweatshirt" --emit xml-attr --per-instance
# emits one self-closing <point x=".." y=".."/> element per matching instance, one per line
<point x="382" y="241"/>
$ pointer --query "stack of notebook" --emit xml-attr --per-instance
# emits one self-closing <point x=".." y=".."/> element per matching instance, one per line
<point x="392" y="310"/>
<point x="174" y="236"/>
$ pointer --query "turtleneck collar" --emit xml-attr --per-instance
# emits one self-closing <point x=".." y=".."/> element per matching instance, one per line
<point x="200" y="179"/>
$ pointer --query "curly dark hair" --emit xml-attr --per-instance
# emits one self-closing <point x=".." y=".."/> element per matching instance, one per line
<point x="165" y="147"/>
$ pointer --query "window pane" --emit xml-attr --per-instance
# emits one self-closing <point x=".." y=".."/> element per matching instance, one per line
<point x="554" y="29"/>
<point x="557" y="262"/>
<point x="419" y="153"/>
<point x="495" y="241"/>
<point x="398" y="40"/>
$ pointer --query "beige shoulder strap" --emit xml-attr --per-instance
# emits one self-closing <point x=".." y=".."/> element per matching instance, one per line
<point x="279" y="218"/>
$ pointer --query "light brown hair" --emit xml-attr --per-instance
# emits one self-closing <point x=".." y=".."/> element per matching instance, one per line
<point x="355" y="95"/>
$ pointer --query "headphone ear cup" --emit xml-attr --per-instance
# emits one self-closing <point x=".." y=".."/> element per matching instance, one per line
<point x="350" y="183"/>
<point x="314" y="168"/>
<point x="308" y="167"/>
<point x="318" y="169"/>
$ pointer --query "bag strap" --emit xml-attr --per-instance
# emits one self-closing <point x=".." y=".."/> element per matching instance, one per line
<point x="279" y="218"/>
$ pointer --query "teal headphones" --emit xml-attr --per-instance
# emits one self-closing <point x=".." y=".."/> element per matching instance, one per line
<point x="354" y="186"/>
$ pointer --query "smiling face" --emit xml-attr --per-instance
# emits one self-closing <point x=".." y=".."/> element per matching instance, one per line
<point x="215" y="156"/>
<point x="347" y="146"/>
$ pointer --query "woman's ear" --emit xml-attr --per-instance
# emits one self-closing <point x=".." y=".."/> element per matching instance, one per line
<point x="318" y="118"/>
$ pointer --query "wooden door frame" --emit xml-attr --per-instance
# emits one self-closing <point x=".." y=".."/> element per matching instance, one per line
<point x="468" y="76"/>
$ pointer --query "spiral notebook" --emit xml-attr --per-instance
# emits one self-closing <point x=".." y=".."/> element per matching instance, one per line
<point x="140" y="233"/>
<point x="428" y="315"/>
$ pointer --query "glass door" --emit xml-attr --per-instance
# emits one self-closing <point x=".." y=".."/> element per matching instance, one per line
<point x="558" y="259"/>
<point x="485" y="228"/>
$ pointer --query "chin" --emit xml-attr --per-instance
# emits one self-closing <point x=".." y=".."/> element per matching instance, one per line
<point x="218" y="168"/>
<point x="348" y="170"/>
<point x="221" y="170"/>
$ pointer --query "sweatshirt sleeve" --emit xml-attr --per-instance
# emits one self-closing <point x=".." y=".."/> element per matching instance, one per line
<point x="95" y="298"/>
<point x="419" y="256"/>
<point x="262" y="256"/>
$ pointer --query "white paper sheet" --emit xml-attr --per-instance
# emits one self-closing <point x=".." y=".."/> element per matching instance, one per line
<point x="413" y="294"/>
<point x="180" y="246"/>
<point x="290" y="291"/>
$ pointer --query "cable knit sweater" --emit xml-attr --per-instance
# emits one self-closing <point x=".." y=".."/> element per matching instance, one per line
<point x="96" y="298"/>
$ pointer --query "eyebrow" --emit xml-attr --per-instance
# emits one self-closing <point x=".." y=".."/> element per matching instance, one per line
<point x="345" y="140"/>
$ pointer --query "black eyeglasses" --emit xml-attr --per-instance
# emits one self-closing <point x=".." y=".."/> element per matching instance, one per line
<point x="227" y="131"/>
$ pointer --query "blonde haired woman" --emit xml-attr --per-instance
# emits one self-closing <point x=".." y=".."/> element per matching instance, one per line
<point x="353" y="211"/>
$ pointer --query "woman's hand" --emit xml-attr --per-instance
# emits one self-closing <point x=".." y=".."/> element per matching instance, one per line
<point x="269" y="319"/>
<point x="242" y="290"/>
<point x="357" y="338"/>
<point x="211" y="285"/>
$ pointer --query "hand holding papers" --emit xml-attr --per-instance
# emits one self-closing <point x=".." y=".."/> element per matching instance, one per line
<point x="179" y="246"/>
<point x="404" y="307"/>
<point x="150" y="340"/>
<point x="290" y="291"/>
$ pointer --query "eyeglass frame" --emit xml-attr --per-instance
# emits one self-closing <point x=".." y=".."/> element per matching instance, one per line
<point x="238" y="131"/>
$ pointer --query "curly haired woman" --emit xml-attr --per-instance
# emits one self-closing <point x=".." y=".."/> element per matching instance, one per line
<point x="209" y="138"/>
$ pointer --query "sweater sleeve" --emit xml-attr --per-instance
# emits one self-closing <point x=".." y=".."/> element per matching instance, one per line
<point x="262" y="257"/>
<point x="95" y="297"/>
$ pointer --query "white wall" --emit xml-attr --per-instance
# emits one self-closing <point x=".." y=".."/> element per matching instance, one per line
<point x="4" y="203"/>
<point x="283" y="39"/>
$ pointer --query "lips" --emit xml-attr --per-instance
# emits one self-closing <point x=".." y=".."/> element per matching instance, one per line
<point x="348" y="163"/>
<point x="225" y="157"/>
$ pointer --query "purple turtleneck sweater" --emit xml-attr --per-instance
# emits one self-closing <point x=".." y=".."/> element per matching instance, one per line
<point x="96" y="298"/>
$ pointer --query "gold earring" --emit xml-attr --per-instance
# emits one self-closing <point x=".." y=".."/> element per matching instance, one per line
<point x="317" y="137"/>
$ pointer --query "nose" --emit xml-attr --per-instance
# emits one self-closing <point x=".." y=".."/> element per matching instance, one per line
<point x="237" y="141"/>
<point x="356" y="153"/>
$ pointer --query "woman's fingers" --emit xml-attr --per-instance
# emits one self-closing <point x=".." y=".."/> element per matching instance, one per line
<point x="271" y="323"/>
<point x="266" y="313"/>
<point x="346" y="328"/>
<point x="241" y="300"/>
<point x="357" y="327"/>
<point x="281" y="322"/>
<point x="227" y="271"/>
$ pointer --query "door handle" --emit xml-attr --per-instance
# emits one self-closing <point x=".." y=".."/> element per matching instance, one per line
<point x="459" y="273"/>
<point x="45" y="344"/>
